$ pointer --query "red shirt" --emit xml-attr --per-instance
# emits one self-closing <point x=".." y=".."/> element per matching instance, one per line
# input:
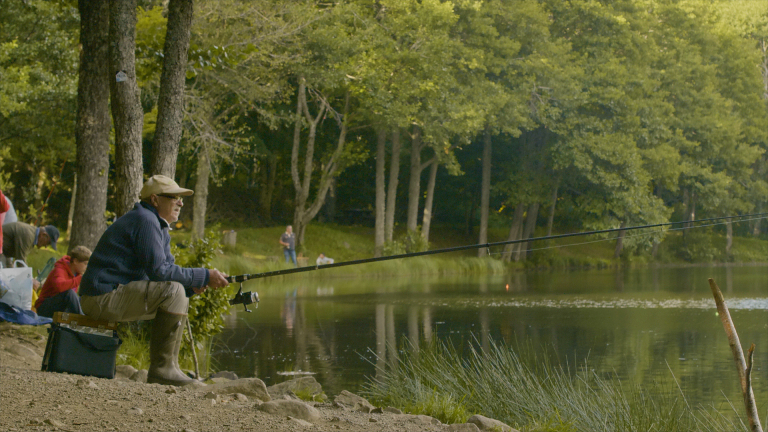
<point x="59" y="280"/>
<point x="4" y="207"/>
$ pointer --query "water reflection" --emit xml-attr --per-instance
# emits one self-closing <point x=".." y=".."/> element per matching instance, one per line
<point x="643" y="325"/>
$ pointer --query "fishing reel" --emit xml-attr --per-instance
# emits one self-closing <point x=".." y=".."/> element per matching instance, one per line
<point x="245" y="298"/>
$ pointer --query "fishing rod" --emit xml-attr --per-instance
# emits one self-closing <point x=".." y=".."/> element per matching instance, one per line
<point x="245" y="277"/>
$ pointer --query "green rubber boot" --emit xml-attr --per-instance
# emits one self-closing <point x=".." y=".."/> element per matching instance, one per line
<point x="164" y="347"/>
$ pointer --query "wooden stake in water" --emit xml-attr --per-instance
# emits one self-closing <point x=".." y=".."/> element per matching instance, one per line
<point x="743" y="367"/>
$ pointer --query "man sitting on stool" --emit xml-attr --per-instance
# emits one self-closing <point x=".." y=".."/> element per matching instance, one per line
<point x="59" y="293"/>
<point x="132" y="276"/>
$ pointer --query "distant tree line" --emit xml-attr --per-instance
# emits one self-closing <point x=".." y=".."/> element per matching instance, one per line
<point x="559" y="114"/>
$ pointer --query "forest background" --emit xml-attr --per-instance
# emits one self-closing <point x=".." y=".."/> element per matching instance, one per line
<point x="415" y="118"/>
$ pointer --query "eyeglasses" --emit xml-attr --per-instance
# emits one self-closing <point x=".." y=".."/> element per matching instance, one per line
<point x="176" y="198"/>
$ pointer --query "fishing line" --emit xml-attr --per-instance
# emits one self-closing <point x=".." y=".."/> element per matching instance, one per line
<point x="630" y="236"/>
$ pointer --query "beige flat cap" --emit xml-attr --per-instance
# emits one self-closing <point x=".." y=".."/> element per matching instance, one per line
<point x="160" y="184"/>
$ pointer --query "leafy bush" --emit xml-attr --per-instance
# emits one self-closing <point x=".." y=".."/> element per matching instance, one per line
<point x="410" y="242"/>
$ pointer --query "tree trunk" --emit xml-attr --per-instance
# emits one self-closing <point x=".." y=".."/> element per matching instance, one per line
<point x="71" y="208"/>
<point x="414" y="184"/>
<point x="728" y="235"/>
<point x="201" y="194"/>
<point x="551" y="219"/>
<point x="267" y="171"/>
<point x="170" y="104"/>
<point x="426" y="220"/>
<point x="514" y="232"/>
<point x="620" y="241"/>
<point x="394" y="172"/>
<point x="93" y="125"/>
<point x="304" y="213"/>
<point x="381" y="154"/>
<point x="126" y="107"/>
<point x="485" y="191"/>
<point x="530" y="227"/>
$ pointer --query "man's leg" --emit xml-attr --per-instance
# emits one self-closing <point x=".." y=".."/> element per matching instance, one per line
<point x="287" y="254"/>
<point x="167" y="303"/>
<point x="137" y="300"/>
<point x="68" y="301"/>
<point x="293" y="258"/>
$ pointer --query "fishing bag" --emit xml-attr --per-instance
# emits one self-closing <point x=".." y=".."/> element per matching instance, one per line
<point x="82" y="346"/>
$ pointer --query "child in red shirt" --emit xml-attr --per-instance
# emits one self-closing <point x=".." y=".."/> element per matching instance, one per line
<point x="59" y="292"/>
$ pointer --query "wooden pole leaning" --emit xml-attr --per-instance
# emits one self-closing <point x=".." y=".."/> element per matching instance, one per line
<point x="194" y="350"/>
<point x="743" y="367"/>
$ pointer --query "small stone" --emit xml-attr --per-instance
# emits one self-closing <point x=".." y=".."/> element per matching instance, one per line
<point x="54" y="423"/>
<point x="241" y="397"/>
<point x="186" y="417"/>
<point x="211" y="395"/>
<point x="187" y="430"/>
<point x="225" y="374"/>
<point x="372" y="420"/>
<point x="363" y="409"/>
<point x="213" y="402"/>
<point x="378" y="410"/>
<point x="171" y="391"/>
<point x="301" y="422"/>
<point x="336" y="419"/>
<point x="136" y="411"/>
<point x="392" y="410"/>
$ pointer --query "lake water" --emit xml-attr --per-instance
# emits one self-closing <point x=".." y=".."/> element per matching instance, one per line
<point x="646" y="325"/>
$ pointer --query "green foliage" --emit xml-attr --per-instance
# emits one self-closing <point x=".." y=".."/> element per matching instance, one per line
<point x="206" y="309"/>
<point x="409" y="242"/>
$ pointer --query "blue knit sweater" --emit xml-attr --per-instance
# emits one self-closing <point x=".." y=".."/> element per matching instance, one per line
<point x="137" y="247"/>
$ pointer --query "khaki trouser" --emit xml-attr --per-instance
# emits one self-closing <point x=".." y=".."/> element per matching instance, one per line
<point x="136" y="301"/>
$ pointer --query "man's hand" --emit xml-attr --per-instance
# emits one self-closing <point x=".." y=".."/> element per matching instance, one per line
<point x="217" y="279"/>
<point x="35" y="284"/>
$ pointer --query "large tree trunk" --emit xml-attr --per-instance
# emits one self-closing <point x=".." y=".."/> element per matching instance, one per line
<point x="620" y="241"/>
<point x="305" y="212"/>
<point x="485" y="192"/>
<point x="201" y="194"/>
<point x="530" y="227"/>
<point x="170" y="104"/>
<point x="414" y="184"/>
<point x="551" y="218"/>
<point x="514" y="232"/>
<point x="394" y="173"/>
<point x="426" y="220"/>
<point x="381" y="154"/>
<point x="93" y="125"/>
<point x="126" y="107"/>
<point x="267" y="171"/>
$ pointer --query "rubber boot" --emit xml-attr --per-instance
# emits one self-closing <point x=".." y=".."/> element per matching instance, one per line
<point x="164" y="347"/>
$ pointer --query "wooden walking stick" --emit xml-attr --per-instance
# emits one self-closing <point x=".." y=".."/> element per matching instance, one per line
<point x="743" y="367"/>
<point x="194" y="351"/>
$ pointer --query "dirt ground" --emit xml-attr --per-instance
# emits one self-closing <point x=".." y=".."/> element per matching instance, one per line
<point x="31" y="400"/>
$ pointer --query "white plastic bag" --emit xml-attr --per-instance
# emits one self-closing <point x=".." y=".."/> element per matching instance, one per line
<point x="16" y="287"/>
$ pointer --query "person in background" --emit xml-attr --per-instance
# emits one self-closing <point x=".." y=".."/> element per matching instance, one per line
<point x="4" y="207"/>
<point x="322" y="259"/>
<point x="288" y="240"/>
<point x="19" y="238"/>
<point x="132" y="276"/>
<point x="59" y="293"/>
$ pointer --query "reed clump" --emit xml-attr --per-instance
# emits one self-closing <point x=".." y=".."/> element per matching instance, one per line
<point x="534" y="396"/>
